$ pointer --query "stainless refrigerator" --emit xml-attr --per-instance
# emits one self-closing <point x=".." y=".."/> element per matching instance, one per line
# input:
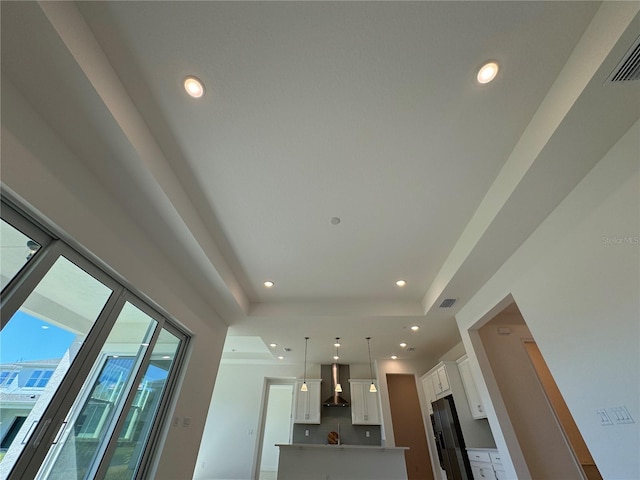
<point x="452" y="452"/>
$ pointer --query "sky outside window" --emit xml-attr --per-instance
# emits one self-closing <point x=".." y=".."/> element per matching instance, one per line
<point x="28" y="338"/>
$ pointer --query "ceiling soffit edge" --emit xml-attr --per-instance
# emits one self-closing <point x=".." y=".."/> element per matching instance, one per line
<point x="83" y="46"/>
<point x="333" y="308"/>
<point x="600" y="37"/>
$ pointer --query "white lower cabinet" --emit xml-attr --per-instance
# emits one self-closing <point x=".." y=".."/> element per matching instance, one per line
<point x="497" y="465"/>
<point x="485" y="464"/>
<point x="307" y="404"/>
<point x="365" y="405"/>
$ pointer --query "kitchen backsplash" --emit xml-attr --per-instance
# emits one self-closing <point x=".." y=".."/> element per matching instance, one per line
<point x="349" y="434"/>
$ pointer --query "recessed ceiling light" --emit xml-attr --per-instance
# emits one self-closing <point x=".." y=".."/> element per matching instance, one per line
<point x="280" y="357"/>
<point x="415" y="328"/>
<point x="269" y="284"/>
<point x="335" y="220"/>
<point x="401" y="283"/>
<point x="487" y="72"/>
<point x="194" y="86"/>
<point x="166" y="357"/>
<point x="336" y="357"/>
<point x="403" y="344"/>
<point x="273" y="345"/>
<point x="45" y="327"/>
<point x="394" y="357"/>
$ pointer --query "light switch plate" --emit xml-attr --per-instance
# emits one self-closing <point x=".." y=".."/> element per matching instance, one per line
<point x="604" y="417"/>
<point x="620" y="415"/>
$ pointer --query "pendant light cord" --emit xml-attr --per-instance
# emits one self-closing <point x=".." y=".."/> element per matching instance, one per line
<point x="370" y="367"/>
<point x="306" y="340"/>
<point x="372" y="388"/>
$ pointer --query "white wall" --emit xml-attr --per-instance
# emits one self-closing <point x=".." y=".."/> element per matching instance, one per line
<point x="230" y="441"/>
<point x="576" y="282"/>
<point x="38" y="168"/>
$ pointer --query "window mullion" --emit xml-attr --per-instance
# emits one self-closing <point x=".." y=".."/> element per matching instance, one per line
<point x="99" y="469"/>
<point x="147" y="462"/>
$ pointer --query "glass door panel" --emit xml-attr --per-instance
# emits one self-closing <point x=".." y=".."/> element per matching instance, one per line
<point x="142" y="413"/>
<point x="37" y="346"/>
<point x="92" y="418"/>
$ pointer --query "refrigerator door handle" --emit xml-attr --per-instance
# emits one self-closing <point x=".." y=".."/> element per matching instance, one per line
<point x="441" y="441"/>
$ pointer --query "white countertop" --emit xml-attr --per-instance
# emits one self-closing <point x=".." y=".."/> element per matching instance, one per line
<point x="340" y="447"/>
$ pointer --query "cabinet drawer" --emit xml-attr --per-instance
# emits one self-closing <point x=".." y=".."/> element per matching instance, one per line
<point x="479" y="456"/>
<point x="500" y="474"/>
<point x="495" y="457"/>
<point x="482" y="471"/>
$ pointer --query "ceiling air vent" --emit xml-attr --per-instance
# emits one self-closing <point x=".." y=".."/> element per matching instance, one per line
<point x="629" y="67"/>
<point x="447" y="303"/>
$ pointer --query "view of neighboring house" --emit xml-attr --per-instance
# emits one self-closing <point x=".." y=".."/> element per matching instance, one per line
<point x="21" y="384"/>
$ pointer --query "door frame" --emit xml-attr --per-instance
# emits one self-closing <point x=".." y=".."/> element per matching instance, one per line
<point x="266" y="388"/>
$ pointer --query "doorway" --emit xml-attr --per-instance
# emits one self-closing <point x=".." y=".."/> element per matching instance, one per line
<point x="550" y="442"/>
<point x="562" y="412"/>
<point x="276" y="426"/>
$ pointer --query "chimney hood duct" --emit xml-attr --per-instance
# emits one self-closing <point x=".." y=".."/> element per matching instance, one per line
<point x="332" y="375"/>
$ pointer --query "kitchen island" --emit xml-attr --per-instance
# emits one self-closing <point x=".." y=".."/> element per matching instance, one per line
<point x="300" y="461"/>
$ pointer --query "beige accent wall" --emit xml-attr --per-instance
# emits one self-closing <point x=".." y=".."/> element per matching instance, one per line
<point x="543" y="444"/>
<point x="408" y="426"/>
<point x="562" y="411"/>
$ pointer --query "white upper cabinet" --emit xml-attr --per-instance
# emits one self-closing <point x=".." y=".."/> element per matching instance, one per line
<point x="307" y="404"/>
<point x="365" y="405"/>
<point x="430" y="393"/>
<point x="439" y="386"/>
<point x="442" y="387"/>
<point x="470" y="389"/>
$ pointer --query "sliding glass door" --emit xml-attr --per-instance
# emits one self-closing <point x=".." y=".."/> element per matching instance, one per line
<point x="86" y="367"/>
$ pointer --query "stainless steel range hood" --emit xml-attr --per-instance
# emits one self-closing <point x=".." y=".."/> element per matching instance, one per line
<point x="331" y="376"/>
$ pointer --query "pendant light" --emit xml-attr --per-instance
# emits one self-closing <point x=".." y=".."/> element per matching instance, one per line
<point x="336" y="357"/>
<point x="303" y="388"/>
<point x="372" y="387"/>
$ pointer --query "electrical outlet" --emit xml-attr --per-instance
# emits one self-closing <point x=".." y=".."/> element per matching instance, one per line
<point x="186" y="421"/>
<point x="367" y="434"/>
<point x="176" y="421"/>
<point x="306" y="433"/>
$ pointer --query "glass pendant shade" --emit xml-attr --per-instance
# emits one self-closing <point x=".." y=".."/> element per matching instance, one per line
<point x="372" y="388"/>
<point x="303" y="388"/>
<point x="338" y="388"/>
